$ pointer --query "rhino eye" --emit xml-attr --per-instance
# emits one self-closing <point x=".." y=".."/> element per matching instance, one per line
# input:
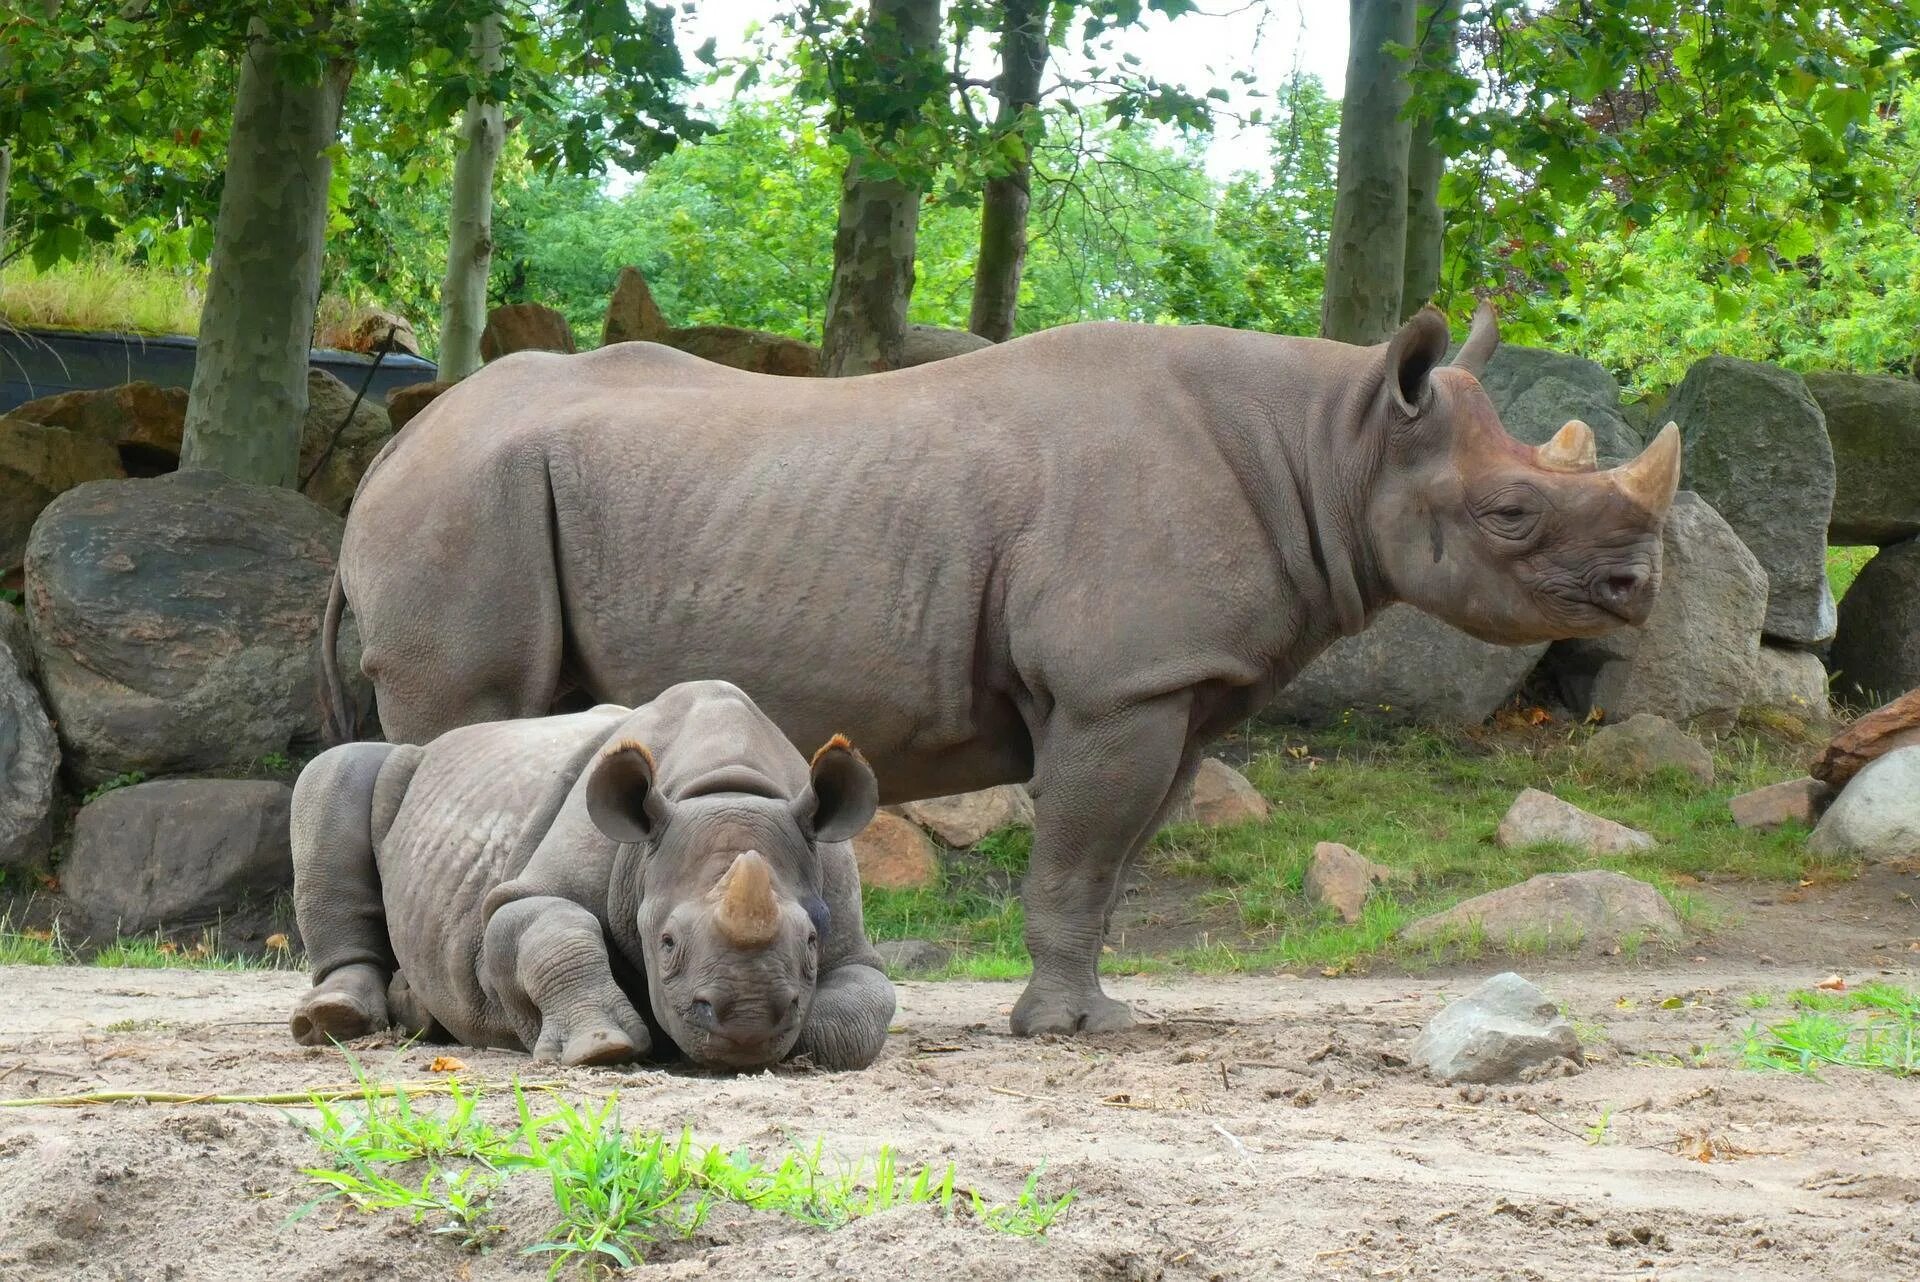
<point x="666" y="941"/>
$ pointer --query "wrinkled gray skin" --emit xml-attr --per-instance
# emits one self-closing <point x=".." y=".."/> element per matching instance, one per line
<point x="539" y="885"/>
<point x="1074" y="558"/>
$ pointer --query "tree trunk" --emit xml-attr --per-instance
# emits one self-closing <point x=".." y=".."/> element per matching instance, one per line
<point x="463" y="295"/>
<point x="873" y="244"/>
<point x="1366" y="254"/>
<point x="249" y="394"/>
<point x="1005" y="199"/>
<point x="1438" y="34"/>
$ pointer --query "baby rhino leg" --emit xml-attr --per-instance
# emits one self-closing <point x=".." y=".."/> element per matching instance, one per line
<point x="336" y="896"/>
<point x="545" y="961"/>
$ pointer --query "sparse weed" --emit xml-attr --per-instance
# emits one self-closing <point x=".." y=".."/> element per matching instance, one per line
<point x="125" y="779"/>
<point x="27" y="946"/>
<point x="1875" y="1028"/>
<point x="155" y="952"/>
<point x="1599" y="1130"/>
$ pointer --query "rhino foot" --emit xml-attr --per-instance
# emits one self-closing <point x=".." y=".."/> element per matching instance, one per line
<point x="1040" y="1011"/>
<point x="597" y="1040"/>
<point x="349" y="1003"/>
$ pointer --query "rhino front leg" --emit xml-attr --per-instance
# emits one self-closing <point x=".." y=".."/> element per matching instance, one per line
<point x="1099" y="786"/>
<point x="336" y="896"/>
<point x="545" y="961"/>
<point x="847" y="1025"/>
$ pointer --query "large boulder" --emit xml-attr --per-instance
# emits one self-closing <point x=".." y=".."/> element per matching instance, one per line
<point x="632" y="315"/>
<point x="1877" y="815"/>
<point x="1496" y="1033"/>
<point x="143" y="421"/>
<point x="1537" y="391"/>
<point x="379" y="330"/>
<point x="964" y="820"/>
<point x="893" y="854"/>
<point x="1757" y="450"/>
<point x="37" y="464"/>
<point x="338" y="440"/>
<point x="924" y="344"/>
<point x="520" y="327"/>
<point x="1793" y="681"/>
<point x="175" y="621"/>
<point x="1696" y="658"/>
<point x="404" y="402"/>
<point x="1876" y="655"/>
<point x="1874" y="425"/>
<point x="179" y="852"/>
<point x="1594" y="909"/>
<point x="1862" y="742"/>
<point x="29" y="753"/>
<point x="748" y="349"/>
<point x="1406" y="666"/>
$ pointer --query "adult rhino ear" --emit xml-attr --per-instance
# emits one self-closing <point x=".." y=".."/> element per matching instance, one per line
<point x="622" y="800"/>
<point x="1412" y="355"/>
<point x="1483" y="340"/>
<point x="842" y="796"/>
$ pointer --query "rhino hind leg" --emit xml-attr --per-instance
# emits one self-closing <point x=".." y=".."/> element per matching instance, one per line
<point x="337" y="896"/>
<point x="1101" y="787"/>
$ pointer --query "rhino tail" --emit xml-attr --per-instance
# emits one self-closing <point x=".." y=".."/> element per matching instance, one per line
<point x="340" y="719"/>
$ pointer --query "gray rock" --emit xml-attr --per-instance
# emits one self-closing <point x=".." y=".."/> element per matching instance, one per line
<point x="1696" y="658"/>
<point x="1874" y="424"/>
<point x="1539" y="818"/>
<point x="29" y="757"/>
<point x="1756" y="448"/>
<point x="1537" y="391"/>
<point x="1876" y="656"/>
<point x="1877" y="815"/>
<point x="176" y="622"/>
<point x="924" y="344"/>
<point x="1645" y="743"/>
<point x="911" y="956"/>
<point x="338" y="440"/>
<point x="17" y="641"/>
<point x="1220" y="797"/>
<point x="1794" y="801"/>
<point x="1495" y="1034"/>
<point x="1792" y="681"/>
<point x="179" y="852"/>
<point x="965" y="819"/>
<point x="1407" y="666"/>
<point x="37" y="463"/>
<point x="1570" y="909"/>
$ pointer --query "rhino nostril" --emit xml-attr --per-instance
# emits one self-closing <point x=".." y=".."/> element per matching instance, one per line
<point x="700" y="1013"/>
<point x="1622" y="586"/>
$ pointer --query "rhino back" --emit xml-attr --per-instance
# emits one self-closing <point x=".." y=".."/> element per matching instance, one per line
<point x="480" y="802"/>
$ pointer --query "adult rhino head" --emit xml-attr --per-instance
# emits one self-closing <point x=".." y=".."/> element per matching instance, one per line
<point x="1509" y="542"/>
<point x="722" y="891"/>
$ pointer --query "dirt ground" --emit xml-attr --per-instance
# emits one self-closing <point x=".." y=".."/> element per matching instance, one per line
<point x="1260" y="1127"/>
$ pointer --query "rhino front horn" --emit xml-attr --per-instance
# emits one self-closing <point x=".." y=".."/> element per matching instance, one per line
<point x="747" y="916"/>
<point x="1651" y="479"/>
<point x="1570" y="450"/>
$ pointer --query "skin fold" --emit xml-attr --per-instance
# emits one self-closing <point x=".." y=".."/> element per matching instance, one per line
<point x="664" y="881"/>
<point x="1072" y="559"/>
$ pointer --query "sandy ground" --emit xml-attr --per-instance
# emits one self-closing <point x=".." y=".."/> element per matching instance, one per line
<point x="1260" y="1128"/>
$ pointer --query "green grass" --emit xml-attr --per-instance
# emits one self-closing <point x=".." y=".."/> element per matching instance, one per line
<point x="614" y="1192"/>
<point x="1422" y="802"/>
<point x="1875" y="1028"/>
<point x="25" y="946"/>
<point x="102" y="292"/>
<point x="1844" y="566"/>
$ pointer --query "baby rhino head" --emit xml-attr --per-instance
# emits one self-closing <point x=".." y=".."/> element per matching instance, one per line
<point x="724" y="890"/>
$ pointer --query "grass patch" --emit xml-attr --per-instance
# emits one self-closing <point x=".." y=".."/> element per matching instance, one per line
<point x="21" y="946"/>
<point x="614" y="1191"/>
<point x="103" y="291"/>
<point x="154" y="952"/>
<point x="1844" y="566"/>
<point x="1422" y="802"/>
<point x="1875" y="1028"/>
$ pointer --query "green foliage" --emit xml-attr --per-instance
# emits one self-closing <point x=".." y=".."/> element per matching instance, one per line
<point x="1844" y="566"/>
<point x="125" y="779"/>
<point x="1875" y="1027"/>
<point x="614" y="1192"/>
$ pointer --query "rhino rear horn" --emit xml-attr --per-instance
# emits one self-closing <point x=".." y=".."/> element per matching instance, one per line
<point x="1481" y="342"/>
<point x="1651" y="479"/>
<point x="747" y="916"/>
<point x="1571" y="450"/>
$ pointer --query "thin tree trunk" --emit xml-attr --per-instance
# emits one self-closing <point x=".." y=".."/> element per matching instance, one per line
<point x="1006" y="199"/>
<point x="463" y="295"/>
<point x="6" y="175"/>
<point x="873" y="243"/>
<point x="249" y="394"/>
<point x="1438" y="33"/>
<point x="1366" y="255"/>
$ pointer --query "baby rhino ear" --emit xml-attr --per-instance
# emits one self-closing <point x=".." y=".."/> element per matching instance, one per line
<point x="842" y="796"/>
<point x="621" y="798"/>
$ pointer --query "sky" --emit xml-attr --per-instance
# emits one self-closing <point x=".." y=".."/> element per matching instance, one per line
<point x="1198" y="50"/>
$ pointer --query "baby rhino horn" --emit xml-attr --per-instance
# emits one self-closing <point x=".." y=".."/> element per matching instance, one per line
<point x="747" y="916"/>
<point x="1570" y="450"/>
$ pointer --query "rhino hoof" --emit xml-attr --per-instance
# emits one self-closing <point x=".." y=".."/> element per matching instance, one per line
<point x="330" y="1017"/>
<point x="587" y="1047"/>
<point x="1096" y="1013"/>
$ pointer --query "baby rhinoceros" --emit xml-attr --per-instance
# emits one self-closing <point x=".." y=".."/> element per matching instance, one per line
<point x="594" y="887"/>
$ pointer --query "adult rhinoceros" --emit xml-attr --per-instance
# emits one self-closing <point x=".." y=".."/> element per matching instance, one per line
<point x="1075" y="558"/>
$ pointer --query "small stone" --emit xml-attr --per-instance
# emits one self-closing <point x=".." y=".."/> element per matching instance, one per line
<point x="893" y="854"/>
<point x="911" y="956"/>
<point x="1221" y="798"/>
<point x="1340" y="877"/>
<point x="1862" y="742"/>
<point x="379" y="330"/>
<point x="1495" y="1034"/>
<point x="1594" y="908"/>
<point x="1877" y="815"/>
<point x="1645" y="743"/>
<point x="1796" y="801"/>
<point x="964" y="820"/>
<point x="1537" y="818"/>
